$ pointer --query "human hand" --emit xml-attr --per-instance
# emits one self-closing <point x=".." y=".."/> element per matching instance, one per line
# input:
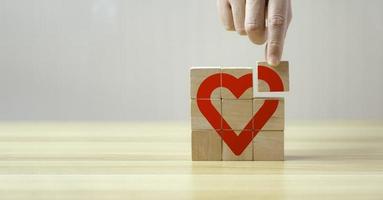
<point x="261" y="20"/>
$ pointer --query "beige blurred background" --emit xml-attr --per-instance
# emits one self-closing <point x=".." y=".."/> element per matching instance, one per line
<point x="129" y="60"/>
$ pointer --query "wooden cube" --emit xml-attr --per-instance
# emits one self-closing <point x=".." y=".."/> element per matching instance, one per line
<point x="206" y="145"/>
<point x="282" y="70"/>
<point x="268" y="146"/>
<point x="198" y="75"/>
<point x="237" y="114"/>
<point x="199" y="121"/>
<point x="277" y="120"/>
<point x="237" y="72"/>
<point x="228" y="155"/>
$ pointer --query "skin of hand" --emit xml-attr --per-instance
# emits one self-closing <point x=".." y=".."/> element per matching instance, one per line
<point x="261" y="20"/>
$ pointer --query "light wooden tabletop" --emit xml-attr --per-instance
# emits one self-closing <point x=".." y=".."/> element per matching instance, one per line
<point x="324" y="160"/>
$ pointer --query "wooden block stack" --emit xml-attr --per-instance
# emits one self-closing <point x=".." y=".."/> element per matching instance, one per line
<point x="206" y="143"/>
<point x="228" y="122"/>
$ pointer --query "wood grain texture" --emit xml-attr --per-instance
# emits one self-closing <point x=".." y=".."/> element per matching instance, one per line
<point x="277" y="120"/>
<point x="323" y="160"/>
<point x="268" y="146"/>
<point x="206" y="145"/>
<point x="282" y="69"/>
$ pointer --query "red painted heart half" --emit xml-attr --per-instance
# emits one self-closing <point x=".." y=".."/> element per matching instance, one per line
<point x="238" y="143"/>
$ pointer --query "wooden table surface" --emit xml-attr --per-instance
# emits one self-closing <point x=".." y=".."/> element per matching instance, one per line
<point x="47" y="160"/>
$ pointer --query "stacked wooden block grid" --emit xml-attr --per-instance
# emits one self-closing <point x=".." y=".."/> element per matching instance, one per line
<point x="236" y="116"/>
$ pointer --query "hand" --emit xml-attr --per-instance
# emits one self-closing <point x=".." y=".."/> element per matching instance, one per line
<point x="261" y="20"/>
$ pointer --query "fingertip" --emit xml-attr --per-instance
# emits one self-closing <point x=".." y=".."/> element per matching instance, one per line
<point x="256" y="33"/>
<point x="274" y="52"/>
<point x="273" y="60"/>
<point x="226" y="16"/>
<point x="229" y="28"/>
<point x="241" y="32"/>
<point x="257" y="38"/>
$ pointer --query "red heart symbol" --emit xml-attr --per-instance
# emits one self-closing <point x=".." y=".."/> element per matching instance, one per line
<point x="238" y="143"/>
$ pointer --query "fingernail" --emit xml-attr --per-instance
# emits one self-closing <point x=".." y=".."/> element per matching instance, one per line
<point x="273" y="61"/>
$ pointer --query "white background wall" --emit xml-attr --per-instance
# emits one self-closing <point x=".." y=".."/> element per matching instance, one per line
<point x="129" y="60"/>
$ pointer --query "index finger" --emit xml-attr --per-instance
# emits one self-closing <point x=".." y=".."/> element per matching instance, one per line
<point x="276" y="29"/>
